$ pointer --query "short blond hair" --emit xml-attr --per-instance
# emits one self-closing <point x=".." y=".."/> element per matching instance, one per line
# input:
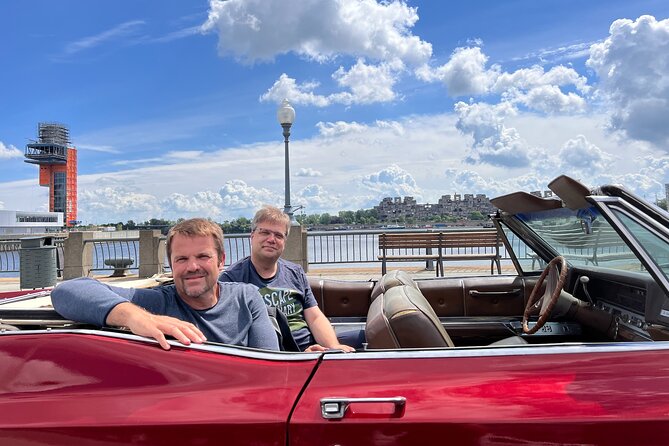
<point x="271" y="214"/>
<point x="197" y="227"/>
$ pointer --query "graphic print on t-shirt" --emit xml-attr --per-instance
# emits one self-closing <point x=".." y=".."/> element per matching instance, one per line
<point x="289" y="302"/>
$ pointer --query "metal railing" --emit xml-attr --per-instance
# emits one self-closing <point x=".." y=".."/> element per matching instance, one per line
<point x="10" y="259"/>
<point x="9" y="256"/>
<point x="324" y="247"/>
<point x="338" y="247"/>
<point x="108" y="250"/>
<point x="357" y="246"/>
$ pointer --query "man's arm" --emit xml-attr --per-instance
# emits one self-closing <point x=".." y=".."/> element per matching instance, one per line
<point x="320" y="327"/>
<point x="93" y="302"/>
<point x="261" y="333"/>
<point x="88" y="300"/>
<point x="141" y="322"/>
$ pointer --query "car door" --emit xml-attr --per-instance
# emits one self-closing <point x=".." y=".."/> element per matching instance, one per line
<point x="94" y="388"/>
<point x="606" y="394"/>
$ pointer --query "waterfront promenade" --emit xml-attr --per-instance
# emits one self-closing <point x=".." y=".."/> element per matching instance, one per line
<point x="336" y="272"/>
<point x="337" y="255"/>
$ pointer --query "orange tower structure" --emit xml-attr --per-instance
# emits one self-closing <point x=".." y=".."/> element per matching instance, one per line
<point x="57" y="168"/>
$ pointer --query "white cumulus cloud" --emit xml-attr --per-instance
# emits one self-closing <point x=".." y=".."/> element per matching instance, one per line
<point x="581" y="156"/>
<point x="633" y="67"/>
<point x="237" y="195"/>
<point x="494" y="143"/>
<point x="287" y="87"/>
<point x="9" y="151"/>
<point x="315" y="198"/>
<point x="259" y="30"/>
<point x="200" y="204"/>
<point x="550" y="99"/>
<point x="308" y="172"/>
<point x="362" y="84"/>
<point x="466" y="73"/>
<point x="655" y="167"/>
<point x="536" y="76"/>
<point x="368" y="83"/>
<point x="332" y="129"/>
<point x="392" y="181"/>
<point x="108" y="203"/>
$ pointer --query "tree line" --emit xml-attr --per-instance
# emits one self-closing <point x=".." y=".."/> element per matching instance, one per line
<point x="362" y="217"/>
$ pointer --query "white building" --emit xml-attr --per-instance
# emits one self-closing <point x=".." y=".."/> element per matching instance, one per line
<point x="22" y="222"/>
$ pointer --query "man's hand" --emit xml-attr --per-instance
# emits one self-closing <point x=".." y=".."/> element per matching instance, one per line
<point x="346" y="348"/>
<point x="324" y="334"/>
<point x="320" y="348"/>
<point x="143" y="323"/>
<point x="315" y="348"/>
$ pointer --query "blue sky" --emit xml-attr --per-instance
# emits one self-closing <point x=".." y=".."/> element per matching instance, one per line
<point x="172" y="104"/>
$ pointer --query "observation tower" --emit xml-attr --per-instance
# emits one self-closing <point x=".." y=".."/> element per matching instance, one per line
<point x="57" y="168"/>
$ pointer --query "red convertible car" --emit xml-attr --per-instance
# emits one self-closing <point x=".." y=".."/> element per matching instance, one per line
<point x="570" y="350"/>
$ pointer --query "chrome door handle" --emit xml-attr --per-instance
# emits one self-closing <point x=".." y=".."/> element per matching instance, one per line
<point x="477" y="293"/>
<point x="335" y="408"/>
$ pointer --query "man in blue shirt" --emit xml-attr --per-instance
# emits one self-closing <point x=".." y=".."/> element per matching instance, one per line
<point x="196" y="308"/>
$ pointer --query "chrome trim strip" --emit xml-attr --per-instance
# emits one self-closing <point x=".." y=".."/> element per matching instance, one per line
<point x="504" y="350"/>
<point x="9" y="300"/>
<point x="456" y="352"/>
<point x="246" y="352"/>
<point x="24" y="321"/>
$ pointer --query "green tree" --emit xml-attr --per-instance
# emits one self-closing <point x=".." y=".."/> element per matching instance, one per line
<point x="347" y="217"/>
<point x="241" y="225"/>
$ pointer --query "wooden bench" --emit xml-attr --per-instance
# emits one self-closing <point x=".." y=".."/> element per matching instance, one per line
<point x="412" y="246"/>
<point x="473" y="245"/>
<point x="440" y="246"/>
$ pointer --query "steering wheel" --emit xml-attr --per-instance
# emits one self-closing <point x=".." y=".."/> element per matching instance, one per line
<point x="546" y="302"/>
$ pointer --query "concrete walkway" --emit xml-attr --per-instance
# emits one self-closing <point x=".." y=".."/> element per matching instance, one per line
<point x="337" y="272"/>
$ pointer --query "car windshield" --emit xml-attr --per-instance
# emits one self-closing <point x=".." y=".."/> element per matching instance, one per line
<point x="583" y="237"/>
<point x="655" y="246"/>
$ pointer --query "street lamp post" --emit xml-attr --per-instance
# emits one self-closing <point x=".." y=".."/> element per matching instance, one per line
<point x="286" y="115"/>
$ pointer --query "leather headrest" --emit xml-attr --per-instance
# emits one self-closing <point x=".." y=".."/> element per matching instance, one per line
<point x="392" y="279"/>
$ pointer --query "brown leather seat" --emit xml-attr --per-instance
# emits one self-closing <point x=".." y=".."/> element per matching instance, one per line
<point x="392" y="279"/>
<point x="402" y="318"/>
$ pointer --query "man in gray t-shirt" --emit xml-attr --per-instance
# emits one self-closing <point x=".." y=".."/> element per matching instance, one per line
<point x="288" y="290"/>
<point x="283" y="284"/>
<point x="196" y="308"/>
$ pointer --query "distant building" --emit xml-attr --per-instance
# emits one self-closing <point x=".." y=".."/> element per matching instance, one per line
<point x="57" y="162"/>
<point x="540" y="194"/>
<point x="460" y="206"/>
<point x="666" y="194"/>
<point x="21" y="222"/>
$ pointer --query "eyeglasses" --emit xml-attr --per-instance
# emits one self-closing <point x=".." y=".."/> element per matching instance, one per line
<point x="265" y="233"/>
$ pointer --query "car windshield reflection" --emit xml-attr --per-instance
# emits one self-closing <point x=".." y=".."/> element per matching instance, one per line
<point x="656" y="247"/>
<point x="583" y="237"/>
